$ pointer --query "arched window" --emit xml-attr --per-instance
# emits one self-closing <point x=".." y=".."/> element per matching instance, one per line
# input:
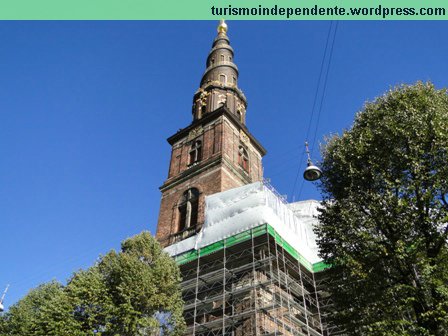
<point x="243" y="158"/>
<point x="222" y="58"/>
<point x="240" y="116"/>
<point x="188" y="209"/>
<point x="222" y="78"/>
<point x="195" y="152"/>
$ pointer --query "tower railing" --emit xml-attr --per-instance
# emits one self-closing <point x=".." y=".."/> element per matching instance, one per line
<point x="181" y="235"/>
<point x="267" y="183"/>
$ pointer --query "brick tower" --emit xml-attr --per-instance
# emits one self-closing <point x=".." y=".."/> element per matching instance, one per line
<point x="216" y="152"/>
<point x="248" y="260"/>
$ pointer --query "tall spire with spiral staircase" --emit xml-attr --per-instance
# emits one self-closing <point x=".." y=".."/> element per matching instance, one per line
<point x="219" y="83"/>
<point x="214" y="153"/>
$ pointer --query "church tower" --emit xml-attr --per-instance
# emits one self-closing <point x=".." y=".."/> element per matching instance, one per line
<point x="216" y="152"/>
<point x="248" y="259"/>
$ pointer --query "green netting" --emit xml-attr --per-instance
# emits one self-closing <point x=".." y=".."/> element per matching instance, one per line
<point x="246" y="235"/>
<point x="238" y="238"/>
<point x="320" y="266"/>
<point x="290" y="249"/>
<point x="186" y="257"/>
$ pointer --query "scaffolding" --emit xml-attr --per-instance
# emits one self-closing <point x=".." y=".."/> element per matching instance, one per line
<point x="252" y="284"/>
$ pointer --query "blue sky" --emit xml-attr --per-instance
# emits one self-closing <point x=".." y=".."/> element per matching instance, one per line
<point x="85" y="108"/>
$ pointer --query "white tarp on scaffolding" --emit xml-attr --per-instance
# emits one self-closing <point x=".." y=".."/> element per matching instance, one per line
<point x="240" y="209"/>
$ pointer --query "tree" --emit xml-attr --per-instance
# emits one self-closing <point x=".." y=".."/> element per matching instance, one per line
<point x="40" y="313"/>
<point x="384" y="223"/>
<point x="134" y="292"/>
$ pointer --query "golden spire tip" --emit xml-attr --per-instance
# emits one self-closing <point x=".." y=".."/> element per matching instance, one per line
<point x="222" y="27"/>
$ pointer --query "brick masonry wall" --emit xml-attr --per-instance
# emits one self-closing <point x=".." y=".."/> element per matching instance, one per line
<point x="232" y="140"/>
<point x="218" y="170"/>
<point x="211" y="138"/>
<point x="210" y="182"/>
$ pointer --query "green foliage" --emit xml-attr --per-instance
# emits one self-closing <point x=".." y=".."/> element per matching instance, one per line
<point x="34" y="314"/>
<point x="385" y="222"/>
<point x="134" y="292"/>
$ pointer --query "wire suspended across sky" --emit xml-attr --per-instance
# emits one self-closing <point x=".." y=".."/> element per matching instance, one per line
<point x="326" y="60"/>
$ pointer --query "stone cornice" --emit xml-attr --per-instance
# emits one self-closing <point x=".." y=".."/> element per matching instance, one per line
<point x="183" y="133"/>
<point x="210" y="85"/>
<point x="191" y="172"/>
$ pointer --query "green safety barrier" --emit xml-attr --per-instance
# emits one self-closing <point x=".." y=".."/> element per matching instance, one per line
<point x="247" y="235"/>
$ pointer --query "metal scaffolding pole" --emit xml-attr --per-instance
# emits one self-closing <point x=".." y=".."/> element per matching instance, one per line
<point x="196" y="295"/>
<point x="253" y="286"/>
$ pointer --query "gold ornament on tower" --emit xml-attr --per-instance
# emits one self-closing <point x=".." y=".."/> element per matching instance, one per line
<point x="222" y="27"/>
